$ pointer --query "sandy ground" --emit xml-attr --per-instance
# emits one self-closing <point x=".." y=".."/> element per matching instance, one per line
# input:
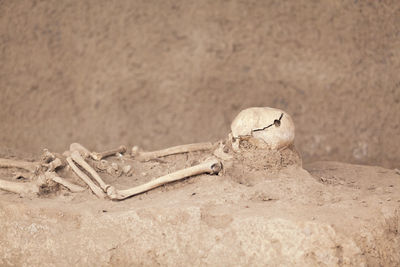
<point x="258" y="211"/>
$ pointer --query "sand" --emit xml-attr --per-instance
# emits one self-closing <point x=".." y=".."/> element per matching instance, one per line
<point x="263" y="209"/>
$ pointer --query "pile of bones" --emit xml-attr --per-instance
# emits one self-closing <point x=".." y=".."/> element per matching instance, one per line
<point x="262" y="127"/>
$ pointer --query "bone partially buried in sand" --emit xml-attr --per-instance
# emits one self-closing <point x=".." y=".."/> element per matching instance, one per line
<point x="272" y="126"/>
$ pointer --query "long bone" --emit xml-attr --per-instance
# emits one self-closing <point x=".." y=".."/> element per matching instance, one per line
<point x="26" y="165"/>
<point x="102" y="155"/>
<point x="211" y="166"/>
<point x="16" y="187"/>
<point x="80" y="148"/>
<point x="33" y="187"/>
<point x="95" y="189"/>
<point x="81" y="162"/>
<point x="146" y="156"/>
<point x="70" y="186"/>
<point x="19" y="188"/>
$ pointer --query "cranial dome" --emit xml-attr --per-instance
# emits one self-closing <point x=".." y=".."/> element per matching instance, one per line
<point x="273" y="126"/>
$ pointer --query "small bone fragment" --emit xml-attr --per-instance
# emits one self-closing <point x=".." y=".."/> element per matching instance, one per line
<point x="19" y="188"/>
<point x="115" y="166"/>
<point x="54" y="165"/>
<point x="127" y="169"/>
<point x="235" y="143"/>
<point x="26" y="165"/>
<point x="81" y="149"/>
<point x="78" y="159"/>
<point x="146" y="156"/>
<point x="110" y="170"/>
<point x="220" y="153"/>
<point x="72" y="187"/>
<point x="101" y="165"/>
<point x="112" y="152"/>
<point x="96" y="190"/>
<point x="47" y="156"/>
<point x="211" y="166"/>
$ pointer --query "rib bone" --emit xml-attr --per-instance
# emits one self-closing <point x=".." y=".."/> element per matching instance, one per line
<point x="96" y="190"/>
<point x="146" y="156"/>
<point x="26" y="165"/>
<point x="102" y="155"/>
<point x="211" y="166"/>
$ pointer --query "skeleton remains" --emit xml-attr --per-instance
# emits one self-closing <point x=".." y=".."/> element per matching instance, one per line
<point x="254" y="129"/>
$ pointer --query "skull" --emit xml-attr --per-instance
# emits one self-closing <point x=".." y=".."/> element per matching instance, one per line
<point x="272" y="128"/>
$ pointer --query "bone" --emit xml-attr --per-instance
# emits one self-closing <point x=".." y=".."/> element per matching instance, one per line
<point x="146" y="156"/>
<point x="221" y="154"/>
<point x="273" y="127"/>
<point x="127" y="170"/>
<point x="211" y="166"/>
<point x="112" y="152"/>
<point x="70" y="186"/>
<point x="26" y="165"/>
<point x="19" y="188"/>
<point x="56" y="163"/>
<point x="47" y="156"/>
<point x="78" y="159"/>
<point x="81" y="149"/>
<point x="95" y="189"/>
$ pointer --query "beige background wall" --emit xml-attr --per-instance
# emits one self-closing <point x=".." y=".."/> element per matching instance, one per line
<point x="161" y="73"/>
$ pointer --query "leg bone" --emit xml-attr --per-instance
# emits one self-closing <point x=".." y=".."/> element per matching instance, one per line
<point x="146" y="156"/>
<point x="100" y="156"/>
<point x="211" y="166"/>
<point x="19" y="188"/>
<point x="26" y="165"/>
<point x="96" y="190"/>
<point x="78" y="159"/>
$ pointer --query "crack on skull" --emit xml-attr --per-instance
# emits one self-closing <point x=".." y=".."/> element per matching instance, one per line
<point x="277" y="123"/>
